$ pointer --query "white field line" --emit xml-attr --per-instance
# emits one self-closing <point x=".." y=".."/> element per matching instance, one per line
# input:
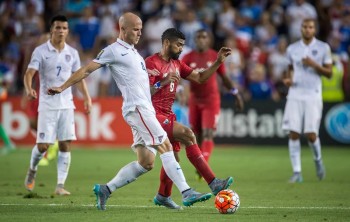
<point x="206" y="207"/>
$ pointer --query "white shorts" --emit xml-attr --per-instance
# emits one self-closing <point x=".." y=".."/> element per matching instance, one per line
<point x="302" y="116"/>
<point x="145" y="128"/>
<point x="55" y="124"/>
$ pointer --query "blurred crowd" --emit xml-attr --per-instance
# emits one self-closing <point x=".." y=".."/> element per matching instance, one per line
<point x="258" y="31"/>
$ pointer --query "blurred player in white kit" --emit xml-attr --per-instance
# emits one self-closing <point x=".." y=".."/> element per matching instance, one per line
<point x="309" y="58"/>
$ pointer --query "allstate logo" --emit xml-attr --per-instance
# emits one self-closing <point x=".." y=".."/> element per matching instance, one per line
<point x="337" y="123"/>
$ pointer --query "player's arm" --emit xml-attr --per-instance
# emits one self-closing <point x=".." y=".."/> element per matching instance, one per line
<point x="324" y="69"/>
<point x="171" y="77"/>
<point x="77" y="76"/>
<point x="28" y="79"/>
<point x="154" y="77"/>
<point x="234" y="91"/>
<point x="87" y="99"/>
<point x="287" y="79"/>
<point x="202" y="76"/>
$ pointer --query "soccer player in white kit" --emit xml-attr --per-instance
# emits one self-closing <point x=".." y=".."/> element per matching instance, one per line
<point x="128" y="69"/>
<point x="55" y="62"/>
<point x="308" y="58"/>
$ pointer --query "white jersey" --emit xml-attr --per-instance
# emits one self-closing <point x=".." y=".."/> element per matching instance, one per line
<point x="54" y="69"/>
<point x="307" y="82"/>
<point x="129" y="72"/>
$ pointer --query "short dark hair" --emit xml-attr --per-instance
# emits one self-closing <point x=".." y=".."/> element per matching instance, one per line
<point x="172" y="34"/>
<point x="202" y="30"/>
<point x="310" y="20"/>
<point x="60" y="18"/>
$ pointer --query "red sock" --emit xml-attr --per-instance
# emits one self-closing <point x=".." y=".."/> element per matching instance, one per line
<point x="165" y="184"/>
<point x="195" y="156"/>
<point x="207" y="148"/>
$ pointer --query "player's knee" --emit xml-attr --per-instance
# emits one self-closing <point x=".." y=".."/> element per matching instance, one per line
<point x="42" y="147"/>
<point x="189" y="134"/>
<point x="294" y="136"/>
<point x="186" y="136"/>
<point x="311" y="137"/>
<point x="148" y="166"/>
<point x="64" y="146"/>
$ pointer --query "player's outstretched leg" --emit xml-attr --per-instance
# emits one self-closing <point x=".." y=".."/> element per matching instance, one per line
<point x="29" y="181"/>
<point x="217" y="184"/>
<point x="166" y="202"/>
<point x="190" y="196"/>
<point x="102" y="194"/>
<point x="320" y="169"/>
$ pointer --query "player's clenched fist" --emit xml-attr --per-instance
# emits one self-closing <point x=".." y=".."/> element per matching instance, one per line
<point x="223" y="53"/>
<point x="32" y="94"/>
<point x="54" y="90"/>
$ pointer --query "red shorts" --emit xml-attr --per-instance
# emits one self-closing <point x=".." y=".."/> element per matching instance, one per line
<point x="32" y="109"/>
<point x="167" y="123"/>
<point x="203" y="116"/>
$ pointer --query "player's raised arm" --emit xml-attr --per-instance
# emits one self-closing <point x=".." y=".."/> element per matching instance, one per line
<point x="82" y="73"/>
<point x="203" y="76"/>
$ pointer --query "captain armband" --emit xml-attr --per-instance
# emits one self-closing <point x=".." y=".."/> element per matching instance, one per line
<point x="157" y="85"/>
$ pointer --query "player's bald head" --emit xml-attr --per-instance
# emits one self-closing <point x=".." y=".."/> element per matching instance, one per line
<point x="130" y="28"/>
<point x="128" y="19"/>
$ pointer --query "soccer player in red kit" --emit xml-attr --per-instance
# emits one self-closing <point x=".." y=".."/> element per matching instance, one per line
<point x="204" y="100"/>
<point x="165" y="71"/>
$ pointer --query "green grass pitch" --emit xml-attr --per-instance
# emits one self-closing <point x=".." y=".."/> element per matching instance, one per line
<point x="260" y="175"/>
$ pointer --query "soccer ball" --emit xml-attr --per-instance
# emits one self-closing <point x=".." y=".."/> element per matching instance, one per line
<point x="227" y="202"/>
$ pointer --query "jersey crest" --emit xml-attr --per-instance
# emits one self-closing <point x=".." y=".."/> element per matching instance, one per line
<point x="68" y="58"/>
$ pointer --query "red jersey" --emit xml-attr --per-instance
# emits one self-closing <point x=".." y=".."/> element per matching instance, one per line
<point x="208" y="91"/>
<point x="164" y="98"/>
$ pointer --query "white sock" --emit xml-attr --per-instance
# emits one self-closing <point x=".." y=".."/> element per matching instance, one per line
<point x="63" y="164"/>
<point x="174" y="171"/>
<point x="35" y="158"/>
<point x="126" y="175"/>
<point x="316" y="149"/>
<point x="294" y="154"/>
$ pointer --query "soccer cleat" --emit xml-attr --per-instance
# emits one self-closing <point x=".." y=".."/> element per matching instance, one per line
<point x="320" y="170"/>
<point x="44" y="162"/>
<point x="102" y="193"/>
<point x="217" y="185"/>
<point x="296" y="178"/>
<point x="61" y="191"/>
<point x="29" y="182"/>
<point x="52" y="151"/>
<point x="166" y="202"/>
<point x="192" y="197"/>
